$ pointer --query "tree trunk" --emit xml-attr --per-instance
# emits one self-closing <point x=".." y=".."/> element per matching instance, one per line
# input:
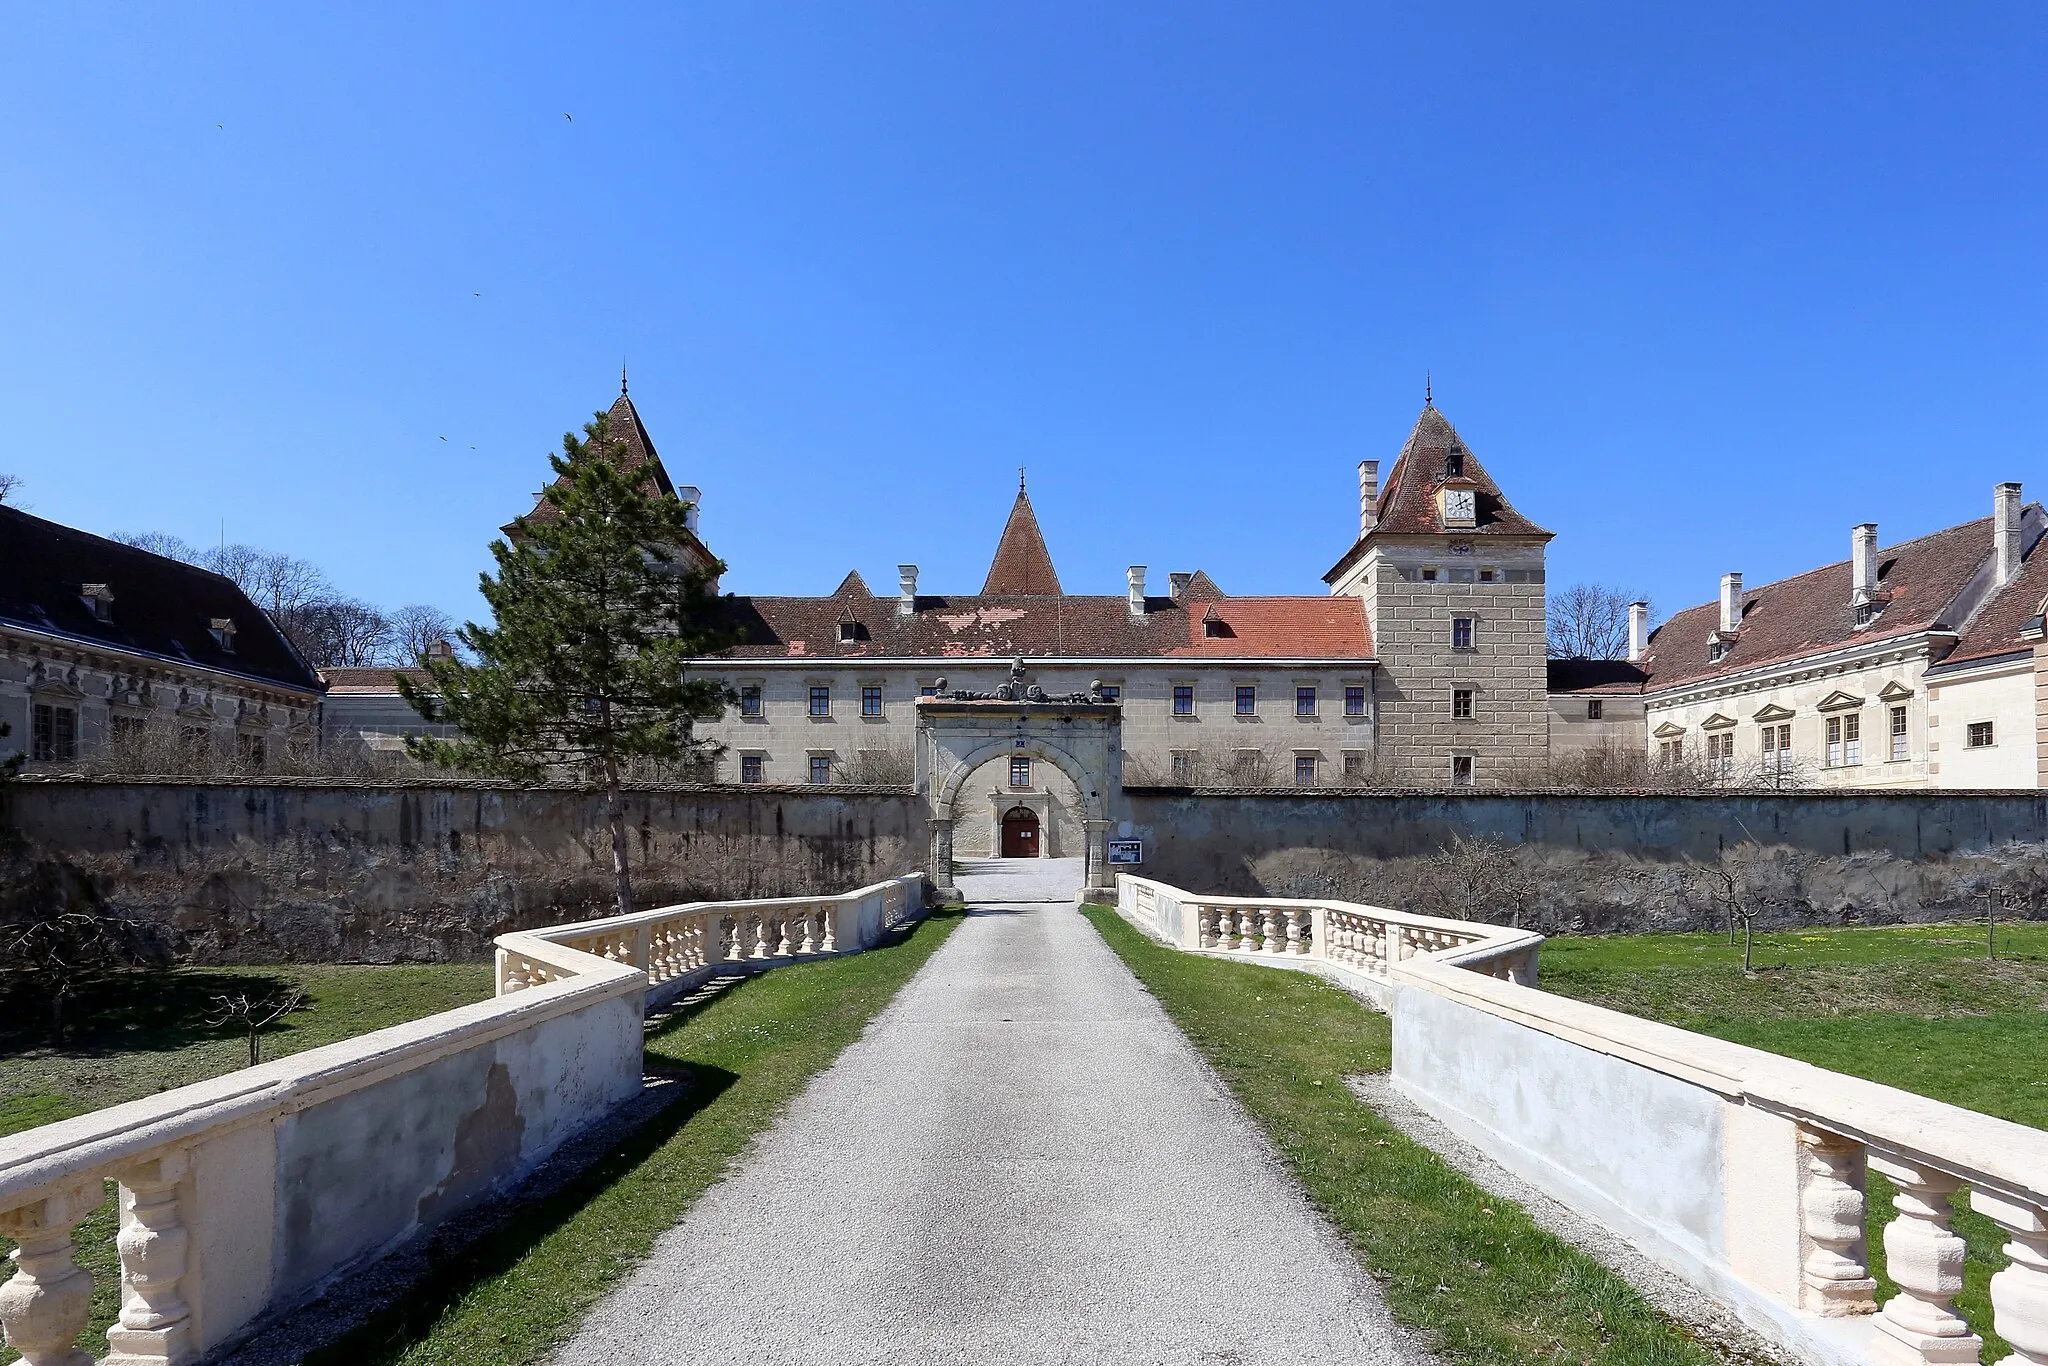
<point x="616" y="810"/>
<point x="1748" y="938"/>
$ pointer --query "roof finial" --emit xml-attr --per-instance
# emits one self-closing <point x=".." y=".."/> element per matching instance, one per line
<point x="622" y="377"/>
<point x="1428" y="399"/>
<point x="1020" y="478"/>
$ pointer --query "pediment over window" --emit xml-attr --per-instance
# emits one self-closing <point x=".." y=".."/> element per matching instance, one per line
<point x="1840" y="701"/>
<point x="1894" y="691"/>
<point x="1668" y="731"/>
<point x="1717" y="722"/>
<point x="1773" y="712"/>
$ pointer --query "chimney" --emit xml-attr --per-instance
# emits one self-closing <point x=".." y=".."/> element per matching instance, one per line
<point x="1177" y="584"/>
<point x="1134" y="578"/>
<point x="693" y="497"/>
<point x="2005" y="533"/>
<point x="1638" y="631"/>
<point x="1368" y="495"/>
<point x="1862" y="562"/>
<point x="1731" y="603"/>
<point x="906" y="590"/>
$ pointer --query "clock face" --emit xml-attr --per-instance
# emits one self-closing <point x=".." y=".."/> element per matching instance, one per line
<point x="1459" y="505"/>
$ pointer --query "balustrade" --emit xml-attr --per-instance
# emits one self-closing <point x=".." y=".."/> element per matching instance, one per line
<point x="1924" y="1257"/>
<point x="43" y="1306"/>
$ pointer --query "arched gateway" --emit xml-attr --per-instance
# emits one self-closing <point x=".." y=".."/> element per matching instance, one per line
<point x="1080" y="734"/>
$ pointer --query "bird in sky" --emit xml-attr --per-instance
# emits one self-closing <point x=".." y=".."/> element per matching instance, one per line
<point x="567" y="117"/>
<point x="444" y="438"/>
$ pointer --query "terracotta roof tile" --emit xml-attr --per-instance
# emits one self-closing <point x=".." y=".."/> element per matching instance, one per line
<point x="1407" y="503"/>
<point x="1811" y="613"/>
<point x="1995" y="630"/>
<point x="998" y="626"/>
<point x="1022" y="564"/>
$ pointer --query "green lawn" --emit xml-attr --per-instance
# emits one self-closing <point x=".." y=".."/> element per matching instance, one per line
<point x="1472" y="1271"/>
<point x="1918" y="1007"/>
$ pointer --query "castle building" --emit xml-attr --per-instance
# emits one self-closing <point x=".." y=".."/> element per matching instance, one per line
<point x="102" y="642"/>
<point x="1913" y="665"/>
<point x="1422" y="664"/>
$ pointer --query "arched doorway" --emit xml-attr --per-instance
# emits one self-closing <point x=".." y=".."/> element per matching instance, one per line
<point x="1021" y="834"/>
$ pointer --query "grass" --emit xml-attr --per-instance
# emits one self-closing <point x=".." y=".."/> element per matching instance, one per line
<point x="135" y="1034"/>
<point x="1472" y="1271"/>
<point x="1918" y="1007"/>
<point x="516" y="1293"/>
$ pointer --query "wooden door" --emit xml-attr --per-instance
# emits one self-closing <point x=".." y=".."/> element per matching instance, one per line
<point x="1020" y="833"/>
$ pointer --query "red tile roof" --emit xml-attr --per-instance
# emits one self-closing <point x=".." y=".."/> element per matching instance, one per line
<point x="1995" y="630"/>
<point x="1040" y="626"/>
<point x="1811" y="613"/>
<point x="1407" y="502"/>
<point x="1022" y="564"/>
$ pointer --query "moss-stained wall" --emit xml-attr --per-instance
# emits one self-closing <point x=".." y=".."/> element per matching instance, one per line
<point x="310" y="871"/>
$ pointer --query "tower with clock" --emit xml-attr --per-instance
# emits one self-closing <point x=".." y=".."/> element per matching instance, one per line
<point x="1452" y="581"/>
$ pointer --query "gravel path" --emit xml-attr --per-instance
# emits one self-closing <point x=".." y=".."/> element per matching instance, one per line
<point x="1021" y="1162"/>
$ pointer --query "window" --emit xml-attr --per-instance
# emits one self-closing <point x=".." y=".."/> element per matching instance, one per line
<point x="1461" y="633"/>
<point x="1776" y="745"/>
<point x="1461" y="770"/>
<point x="1304" y="770"/>
<point x="1717" y="650"/>
<point x="1183" y="699"/>
<point x="1671" y="751"/>
<point x="128" y="729"/>
<point x="1354" y="701"/>
<point x="821" y="768"/>
<point x="1899" y="747"/>
<point x="56" y="733"/>
<point x="1354" y="768"/>
<point x="1721" y="750"/>
<point x="1461" y="704"/>
<point x="195" y="740"/>
<point x="1844" y="741"/>
<point x="249" y="749"/>
<point x="849" y="630"/>
<point x="821" y="701"/>
<point x="750" y="700"/>
<point x="871" y="700"/>
<point x="1247" y="701"/>
<point x="928" y="690"/>
<point x="1020" y="771"/>
<point x="1112" y="693"/>
<point x="223" y="631"/>
<point x="1866" y="612"/>
<point x="750" y="768"/>
<point x="1429" y="576"/>
<point x="1183" y="768"/>
<point x="1304" y="701"/>
<point x="1593" y="710"/>
<point x="1979" y="735"/>
<point x="1486" y="576"/>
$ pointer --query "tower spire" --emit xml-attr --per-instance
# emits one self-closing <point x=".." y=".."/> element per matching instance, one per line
<point x="622" y="377"/>
<point x="1428" y="398"/>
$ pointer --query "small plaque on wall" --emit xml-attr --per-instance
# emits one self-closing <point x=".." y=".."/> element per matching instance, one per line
<point x="1126" y="851"/>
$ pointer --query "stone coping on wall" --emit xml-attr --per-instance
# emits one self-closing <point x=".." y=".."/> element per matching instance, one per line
<point x="454" y="784"/>
<point x="1587" y="793"/>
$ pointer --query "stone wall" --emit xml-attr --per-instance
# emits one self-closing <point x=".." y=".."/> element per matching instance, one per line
<point x="1604" y="862"/>
<point x="430" y="871"/>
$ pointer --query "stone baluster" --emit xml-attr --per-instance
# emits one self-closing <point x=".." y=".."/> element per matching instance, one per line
<point x="1925" y="1258"/>
<point x="1834" y="1276"/>
<point x="2019" y="1293"/>
<point x="1205" y="928"/>
<point x="44" y="1305"/>
<point x="155" y="1326"/>
<point x="757" y="935"/>
<point x="1297" y="930"/>
<point x="1224" y="926"/>
<point x="829" y="943"/>
<point x="783" y="947"/>
<point x="1396" y="946"/>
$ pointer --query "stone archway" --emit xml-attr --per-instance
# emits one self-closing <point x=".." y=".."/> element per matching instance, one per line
<point x="1082" y="739"/>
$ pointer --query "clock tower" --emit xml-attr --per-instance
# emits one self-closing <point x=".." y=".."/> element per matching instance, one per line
<point x="1452" y="581"/>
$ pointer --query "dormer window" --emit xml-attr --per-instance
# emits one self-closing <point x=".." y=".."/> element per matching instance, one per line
<point x="98" y="599"/>
<point x="849" y="630"/>
<point x="223" y="631"/>
<point x="1717" y="650"/>
<point x="1212" y="624"/>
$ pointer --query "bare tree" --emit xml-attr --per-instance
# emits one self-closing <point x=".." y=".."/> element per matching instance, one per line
<point x="889" y="766"/>
<point x="160" y="543"/>
<point x="416" y="629"/>
<point x="1475" y="879"/>
<point x="253" y="1015"/>
<point x="62" y="940"/>
<point x="1746" y="882"/>
<point x="8" y="484"/>
<point x="1588" y="621"/>
<point x="340" y="632"/>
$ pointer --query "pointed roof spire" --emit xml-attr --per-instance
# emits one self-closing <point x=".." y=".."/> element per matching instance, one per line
<point x="1428" y="397"/>
<point x="1022" y="564"/>
<point x="622" y="377"/>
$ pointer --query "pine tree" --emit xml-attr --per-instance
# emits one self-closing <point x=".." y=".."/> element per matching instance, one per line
<point x="586" y="667"/>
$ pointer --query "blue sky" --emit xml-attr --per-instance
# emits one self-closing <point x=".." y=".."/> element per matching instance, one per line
<point x="1702" y="286"/>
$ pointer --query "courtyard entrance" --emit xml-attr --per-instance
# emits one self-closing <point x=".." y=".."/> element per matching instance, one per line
<point x="1020" y="833"/>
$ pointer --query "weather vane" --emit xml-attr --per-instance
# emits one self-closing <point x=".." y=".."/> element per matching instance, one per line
<point x="1428" y="398"/>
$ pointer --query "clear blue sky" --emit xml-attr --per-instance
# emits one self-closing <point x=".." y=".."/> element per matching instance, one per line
<point x="1702" y="285"/>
